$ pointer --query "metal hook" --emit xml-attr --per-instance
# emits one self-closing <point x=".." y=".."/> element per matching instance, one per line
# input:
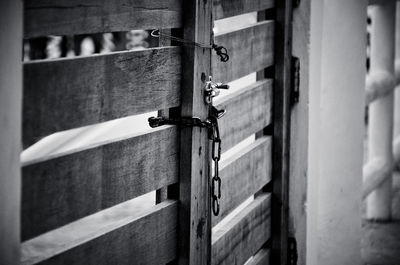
<point x="153" y="34"/>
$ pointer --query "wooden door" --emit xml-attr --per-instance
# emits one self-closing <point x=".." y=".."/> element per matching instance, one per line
<point x="80" y="205"/>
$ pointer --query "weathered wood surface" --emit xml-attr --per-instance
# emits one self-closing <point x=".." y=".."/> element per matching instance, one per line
<point x="378" y="2"/>
<point x="261" y="258"/>
<point x="125" y="234"/>
<point x="281" y="131"/>
<point x="194" y="187"/>
<point x="299" y="178"/>
<point x="244" y="174"/>
<point x="248" y="111"/>
<point x="63" y="189"/>
<point x="68" y="93"/>
<point x="244" y="235"/>
<point x="229" y="8"/>
<point x="250" y="49"/>
<point x="69" y="17"/>
<point x="162" y="193"/>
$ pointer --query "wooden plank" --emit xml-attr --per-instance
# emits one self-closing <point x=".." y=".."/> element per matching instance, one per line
<point x="250" y="49"/>
<point x="162" y="194"/>
<point x="379" y="2"/>
<point x="66" y="17"/>
<point x="194" y="186"/>
<point x="244" y="174"/>
<point x="261" y="258"/>
<point x="300" y="135"/>
<point x="66" y="188"/>
<point x="248" y="111"/>
<point x="281" y="131"/>
<point x="229" y="8"/>
<point x="68" y="93"/>
<point x="124" y="234"/>
<point x="241" y="237"/>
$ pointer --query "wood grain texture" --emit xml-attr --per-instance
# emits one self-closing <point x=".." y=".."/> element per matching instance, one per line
<point x="243" y="236"/>
<point x="71" y="17"/>
<point x="244" y="174"/>
<point x="162" y="194"/>
<point x="68" y="93"/>
<point x="63" y="189"/>
<point x="229" y="8"/>
<point x="194" y="186"/>
<point x="121" y="235"/>
<point x="261" y="258"/>
<point x="378" y="2"/>
<point x="248" y="111"/>
<point x="281" y="131"/>
<point x="299" y="177"/>
<point x="250" y="49"/>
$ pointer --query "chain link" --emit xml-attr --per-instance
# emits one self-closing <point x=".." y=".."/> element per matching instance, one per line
<point x="183" y="121"/>
<point x="216" y="156"/>
<point x="212" y="124"/>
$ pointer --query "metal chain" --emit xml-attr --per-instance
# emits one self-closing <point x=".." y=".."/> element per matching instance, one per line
<point x="212" y="124"/>
<point x="183" y="121"/>
<point x="216" y="156"/>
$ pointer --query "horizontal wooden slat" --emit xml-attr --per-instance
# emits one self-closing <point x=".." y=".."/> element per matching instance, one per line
<point x="70" y="17"/>
<point x="250" y="49"/>
<point x="248" y="111"/>
<point x="229" y="8"/>
<point x="68" y="93"/>
<point x="379" y="2"/>
<point x="121" y="235"/>
<point x="261" y="258"/>
<point x="244" y="174"/>
<point x="241" y="237"/>
<point x="61" y="190"/>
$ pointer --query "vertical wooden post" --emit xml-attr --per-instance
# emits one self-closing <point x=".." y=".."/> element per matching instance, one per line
<point x="396" y="135"/>
<point x="194" y="212"/>
<point x="281" y="131"/>
<point x="162" y="194"/>
<point x="380" y="127"/>
<point x="10" y="133"/>
<point x="397" y="71"/>
<point x="299" y="132"/>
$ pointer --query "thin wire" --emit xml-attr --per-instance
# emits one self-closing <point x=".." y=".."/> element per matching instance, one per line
<point x="201" y="45"/>
<point x="220" y="50"/>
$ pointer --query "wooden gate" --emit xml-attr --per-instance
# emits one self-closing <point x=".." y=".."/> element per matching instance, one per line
<point x="78" y="207"/>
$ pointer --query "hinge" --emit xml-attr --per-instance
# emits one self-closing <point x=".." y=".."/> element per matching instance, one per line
<point x="295" y="91"/>
<point x="292" y="251"/>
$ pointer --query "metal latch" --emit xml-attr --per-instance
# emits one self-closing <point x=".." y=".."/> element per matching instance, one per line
<point x="212" y="90"/>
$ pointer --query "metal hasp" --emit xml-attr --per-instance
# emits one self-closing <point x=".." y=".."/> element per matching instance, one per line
<point x="212" y="90"/>
<point x="295" y="92"/>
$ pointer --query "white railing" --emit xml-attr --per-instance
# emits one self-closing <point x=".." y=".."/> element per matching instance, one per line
<point x="383" y="152"/>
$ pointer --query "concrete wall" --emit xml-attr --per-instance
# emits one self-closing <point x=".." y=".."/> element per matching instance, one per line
<point x="337" y="81"/>
<point x="10" y="132"/>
